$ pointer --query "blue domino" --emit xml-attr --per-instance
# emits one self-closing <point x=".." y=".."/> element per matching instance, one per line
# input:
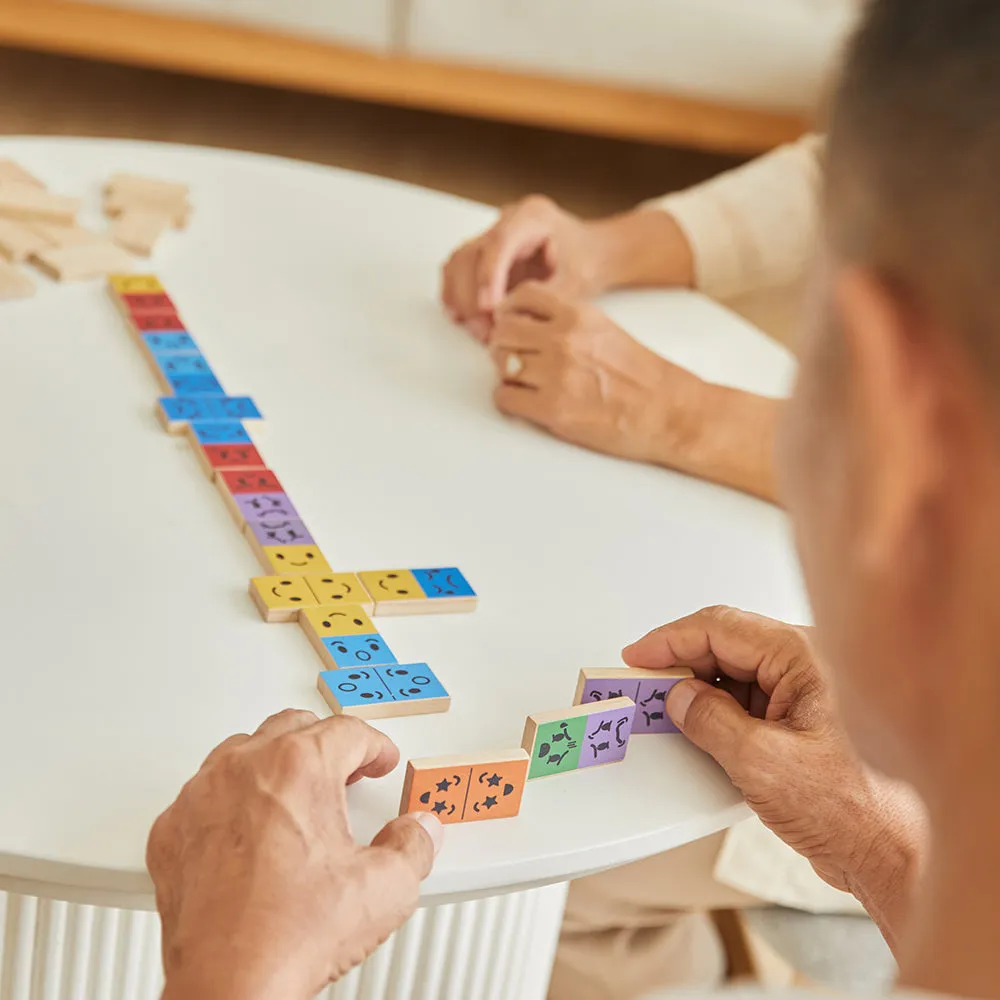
<point x="358" y="688"/>
<point x="227" y="408"/>
<point x="359" y="650"/>
<point x="170" y="343"/>
<point x="195" y="385"/>
<point x="183" y="364"/>
<point x="447" y="582"/>
<point x="220" y="432"/>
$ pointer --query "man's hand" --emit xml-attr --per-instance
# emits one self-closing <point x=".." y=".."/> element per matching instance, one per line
<point x="262" y="890"/>
<point x="534" y="239"/>
<point x="564" y="365"/>
<point x="762" y="708"/>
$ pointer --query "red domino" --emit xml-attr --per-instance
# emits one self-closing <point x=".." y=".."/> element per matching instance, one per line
<point x="228" y="456"/>
<point x="154" y="322"/>
<point x="151" y="302"/>
<point x="263" y="481"/>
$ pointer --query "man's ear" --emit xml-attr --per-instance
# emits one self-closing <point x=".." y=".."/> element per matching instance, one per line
<point x="893" y="392"/>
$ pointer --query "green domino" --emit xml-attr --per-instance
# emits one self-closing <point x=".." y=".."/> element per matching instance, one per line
<point x="557" y="747"/>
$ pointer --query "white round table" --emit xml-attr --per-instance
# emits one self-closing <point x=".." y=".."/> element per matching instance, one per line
<point x="129" y="646"/>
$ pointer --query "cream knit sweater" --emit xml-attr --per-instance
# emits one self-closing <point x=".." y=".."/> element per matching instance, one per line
<point x="753" y="232"/>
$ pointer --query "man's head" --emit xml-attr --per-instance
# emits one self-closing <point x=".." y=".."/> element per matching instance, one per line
<point x="891" y="449"/>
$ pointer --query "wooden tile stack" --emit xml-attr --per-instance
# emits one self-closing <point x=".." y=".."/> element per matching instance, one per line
<point x="40" y="228"/>
<point x="142" y="210"/>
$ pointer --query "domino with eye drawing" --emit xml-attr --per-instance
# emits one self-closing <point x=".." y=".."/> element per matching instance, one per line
<point x="233" y="484"/>
<point x="214" y="458"/>
<point x="281" y="598"/>
<point x="418" y="591"/>
<point x="290" y="560"/>
<point x="344" y="652"/>
<point x="332" y="589"/>
<point x="334" y="622"/>
<point x="384" y="692"/>
<point x="176" y="412"/>
<point x="569" y="739"/>
<point x="466" y="788"/>
<point x="647" y="688"/>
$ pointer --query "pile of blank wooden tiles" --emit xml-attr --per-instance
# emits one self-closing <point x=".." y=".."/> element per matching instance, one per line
<point x="40" y="228"/>
<point x="363" y="676"/>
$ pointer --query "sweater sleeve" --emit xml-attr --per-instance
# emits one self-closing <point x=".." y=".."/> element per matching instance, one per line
<point x="754" y="227"/>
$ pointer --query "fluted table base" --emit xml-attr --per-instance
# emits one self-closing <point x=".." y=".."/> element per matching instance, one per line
<point x="499" y="948"/>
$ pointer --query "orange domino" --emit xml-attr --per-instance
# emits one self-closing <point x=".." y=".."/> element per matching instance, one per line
<point x="464" y="789"/>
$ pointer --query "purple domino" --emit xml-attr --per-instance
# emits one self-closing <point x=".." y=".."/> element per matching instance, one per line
<point x="268" y="509"/>
<point x="277" y="531"/>
<point x="650" y="713"/>
<point x="605" y="739"/>
<point x="649" y="696"/>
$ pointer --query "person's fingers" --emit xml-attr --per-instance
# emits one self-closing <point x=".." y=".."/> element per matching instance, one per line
<point x="713" y="721"/>
<point x="519" y="234"/>
<point x="353" y="748"/>
<point x="533" y="298"/>
<point x="521" y="401"/>
<point x="459" y="283"/>
<point x="517" y="331"/>
<point x="291" y="720"/>
<point x="387" y="875"/>
<point x="744" y="646"/>
<point x="480" y="327"/>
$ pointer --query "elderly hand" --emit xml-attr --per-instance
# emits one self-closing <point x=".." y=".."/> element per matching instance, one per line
<point x="534" y="239"/>
<point x="564" y="365"/>
<point x="770" y="723"/>
<point x="260" y="884"/>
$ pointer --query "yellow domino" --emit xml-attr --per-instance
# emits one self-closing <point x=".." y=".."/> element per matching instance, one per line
<point x="281" y="598"/>
<point x="331" y="621"/>
<point x="339" y="588"/>
<point x="291" y="560"/>
<point x="393" y="591"/>
<point x="134" y="284"/>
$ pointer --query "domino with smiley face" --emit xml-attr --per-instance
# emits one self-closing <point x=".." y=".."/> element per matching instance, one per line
<point x="418" y="591"/>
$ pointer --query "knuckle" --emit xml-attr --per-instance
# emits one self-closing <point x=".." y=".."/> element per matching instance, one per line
<point x="537" y="204"/>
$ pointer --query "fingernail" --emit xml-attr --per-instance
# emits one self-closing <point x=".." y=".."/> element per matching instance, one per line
<point x="433" y="826"/>
<point x="479" y="328"/>
<point x="679" y="701"/>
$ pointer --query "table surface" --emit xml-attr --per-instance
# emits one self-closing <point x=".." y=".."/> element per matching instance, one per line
<point x="129" y="646"/>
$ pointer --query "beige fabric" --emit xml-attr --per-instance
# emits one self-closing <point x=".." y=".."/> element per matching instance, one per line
<point x="754" y="231"/>
<point x="626" y="932"/>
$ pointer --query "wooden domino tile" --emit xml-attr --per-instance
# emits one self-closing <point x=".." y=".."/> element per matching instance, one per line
<point x="139" y="229"/>
<point x="289" y="560"/>
<point x="232" y="484"/>
<point x="334" y="622"/>
<point x="339" y="588"/>
<point x="569" y="739"/>
<point x="281" y="598"/>
<point x="65" y="236"/>
<point x="168" y="367"/>
<point x="647" y="688"/>
<point x="176" y="412"/>
<point x="28" y="202"/>
<point x="384" y="692"/>
<point x="128" y="193"/>
<point x="134" y="284"/>
<point x="418" y="591"/>
<point x="215" y="457"/>
<point x="77" y="263"/>
<point x="14" y="283"/>
<point x="18" y="241"/>
<point x="463" y="788"/>
<point x="11" y="171"/>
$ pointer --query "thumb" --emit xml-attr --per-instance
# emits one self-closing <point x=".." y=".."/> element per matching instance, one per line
<point x="711" y="719"/>
<point x="414" y="840"/>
